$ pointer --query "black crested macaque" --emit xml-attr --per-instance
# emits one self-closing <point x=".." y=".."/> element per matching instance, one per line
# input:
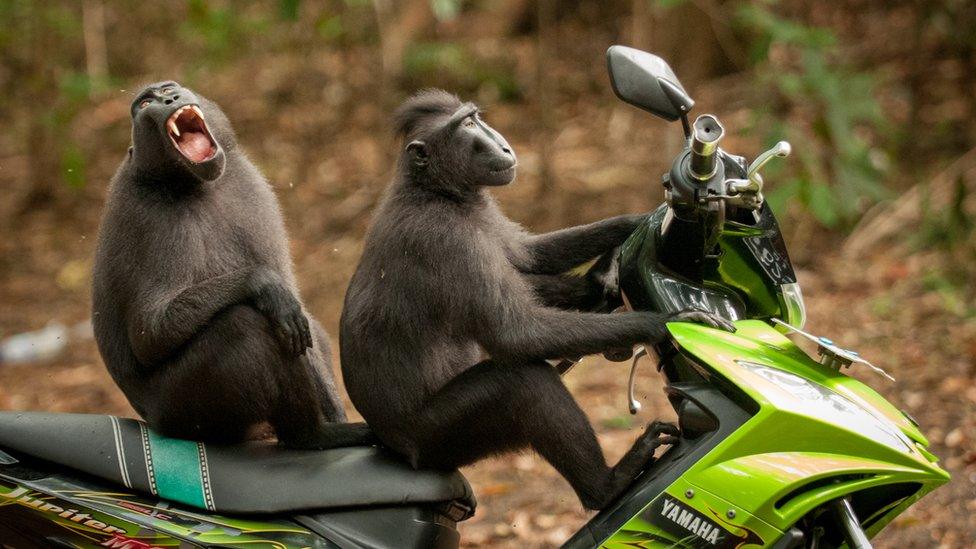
<point x="195" y="307"/>
<point x="446" y="279"/>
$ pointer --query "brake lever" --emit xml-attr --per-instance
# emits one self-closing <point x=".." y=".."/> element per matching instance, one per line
<point x="780" y="149"/>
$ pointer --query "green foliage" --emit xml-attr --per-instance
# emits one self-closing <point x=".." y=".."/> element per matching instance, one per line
<point x="73" y="166"/>
<point x="288" y="9"/>
<point x="451" y="65"/>
<point x="74" y="90"/>
<point x="431" y="56"/>
<point x="445" y="10"/>
<point x="330" y="27"/>
<point x="666" y="4"/>
<point x="951" y="227"/>
<point x="221" y="31"/>
<point x="956" y="297"/>
<point x="840" y="169"/>
<point x="41" y="45"/>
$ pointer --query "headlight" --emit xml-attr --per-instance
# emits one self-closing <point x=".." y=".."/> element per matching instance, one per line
<point x="812" y="399"/>
<point x="791" y="303"/>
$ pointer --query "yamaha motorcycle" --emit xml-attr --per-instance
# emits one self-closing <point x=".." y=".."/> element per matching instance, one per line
<point x="778" y="448"/>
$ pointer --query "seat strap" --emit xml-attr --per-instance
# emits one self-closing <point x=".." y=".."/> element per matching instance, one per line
<point x="178" y="470"/>
<point x="170" y="468"/>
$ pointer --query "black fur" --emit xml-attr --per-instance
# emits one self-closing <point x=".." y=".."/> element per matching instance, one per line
<point x="195" y="307"/>
<point x="446" y="279"/>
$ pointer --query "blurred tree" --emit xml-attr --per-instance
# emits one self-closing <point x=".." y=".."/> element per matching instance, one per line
<point x="43" y="77"/>
<point x="93" y="20"/>
<point x="544" y="103"/>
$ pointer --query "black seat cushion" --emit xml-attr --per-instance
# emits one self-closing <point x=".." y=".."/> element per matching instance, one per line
<point x="246" y="478"/>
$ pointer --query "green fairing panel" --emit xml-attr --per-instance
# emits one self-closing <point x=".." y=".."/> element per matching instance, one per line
<point x="125" y="517"/>
<point x="738" y="269"/>
<point x="670" y="520"/>
<point x="799" y="435"/>
<point x="733" y="285"/>
<point x="50" y="518"/>
<point x="757" y="341"/>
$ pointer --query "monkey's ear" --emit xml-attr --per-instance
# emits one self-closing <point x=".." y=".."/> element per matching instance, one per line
<point x="130" y="151"/>
<point x="418" y="149"/>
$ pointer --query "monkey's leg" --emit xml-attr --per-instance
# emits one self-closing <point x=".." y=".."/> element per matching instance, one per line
<point x="320" y="359"/>
<point x="220" y="384"/>
<point x="299" y="421"/>
<point x="235" y="374"/>
<point x="494" y="407"/>
<point x="308" y="413"/>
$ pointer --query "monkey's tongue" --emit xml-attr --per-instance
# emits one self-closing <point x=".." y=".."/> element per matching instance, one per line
<point x="195" y="146"/>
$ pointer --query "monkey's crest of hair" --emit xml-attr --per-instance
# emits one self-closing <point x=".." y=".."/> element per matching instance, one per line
<point x="414" y="115"/>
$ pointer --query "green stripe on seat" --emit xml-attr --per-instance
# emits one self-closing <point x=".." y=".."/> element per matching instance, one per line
<point x="176" y="464"/>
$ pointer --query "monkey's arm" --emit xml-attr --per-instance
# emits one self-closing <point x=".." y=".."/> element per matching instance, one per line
<point x="570" y="292"/>
<point x="563" y="291"/>
<point x="596" y="290"/>
<point x="164" y="324"/>
<point x="559" y="251"/>
<point x="508" y="323"/>
<point x="542" y="332"/>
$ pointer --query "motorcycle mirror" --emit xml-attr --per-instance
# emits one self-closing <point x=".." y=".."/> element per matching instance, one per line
<point x="647" y="82"/>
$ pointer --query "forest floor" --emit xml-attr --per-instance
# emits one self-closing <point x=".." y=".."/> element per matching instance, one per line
<point x="879" y="305"/>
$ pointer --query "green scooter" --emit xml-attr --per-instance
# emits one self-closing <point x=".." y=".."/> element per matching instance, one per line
<point x="778" y="449"/>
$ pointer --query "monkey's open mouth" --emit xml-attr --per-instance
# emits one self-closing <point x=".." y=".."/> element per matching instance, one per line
<point x="189" y="133"/>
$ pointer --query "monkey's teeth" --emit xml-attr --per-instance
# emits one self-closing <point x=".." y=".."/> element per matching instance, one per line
<point x="196" y="110"/>
<point x="171" y="124"/>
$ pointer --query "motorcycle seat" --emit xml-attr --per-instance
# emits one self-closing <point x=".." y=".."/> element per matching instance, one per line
<point x="257" y="477"/>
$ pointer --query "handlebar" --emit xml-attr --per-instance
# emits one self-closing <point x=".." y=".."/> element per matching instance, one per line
<point x="706" y="133"/>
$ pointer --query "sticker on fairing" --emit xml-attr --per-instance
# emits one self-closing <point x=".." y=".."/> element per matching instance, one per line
<point x="694" y="528"/>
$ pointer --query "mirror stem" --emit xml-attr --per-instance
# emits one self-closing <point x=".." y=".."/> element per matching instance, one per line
<point x="686" y="125"/>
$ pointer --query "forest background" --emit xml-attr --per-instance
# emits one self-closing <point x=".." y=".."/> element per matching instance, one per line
<point x="878" y="203"/>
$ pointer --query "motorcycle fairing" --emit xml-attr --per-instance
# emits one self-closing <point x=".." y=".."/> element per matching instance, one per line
<point x="744" y="279"/>
<point x="607" y="526"/>
<point x="818" y="434"/>
<point x="120" y="519"/>
<point x="688" y="516"/>
<point x="757" y="342"/>
<point x="786" y="458"/>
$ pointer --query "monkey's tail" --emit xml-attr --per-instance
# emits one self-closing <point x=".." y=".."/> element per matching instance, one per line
<point x="341" y="435"/>
<point x="335" y="435"/>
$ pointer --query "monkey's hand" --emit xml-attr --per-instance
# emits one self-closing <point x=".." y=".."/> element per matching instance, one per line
<point x="284" y="312"/>
<point x="659" y="433"/>
<point x="702" y="317"/>
<point x="605" y="276"/>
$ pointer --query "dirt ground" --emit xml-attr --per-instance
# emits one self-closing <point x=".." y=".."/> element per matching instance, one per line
<point x="607" y="160"/>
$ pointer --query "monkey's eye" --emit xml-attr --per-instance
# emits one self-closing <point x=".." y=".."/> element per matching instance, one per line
<point x="469" y="122"/>
<point x="144" y="103"/>
<point x="168" y="90"/>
